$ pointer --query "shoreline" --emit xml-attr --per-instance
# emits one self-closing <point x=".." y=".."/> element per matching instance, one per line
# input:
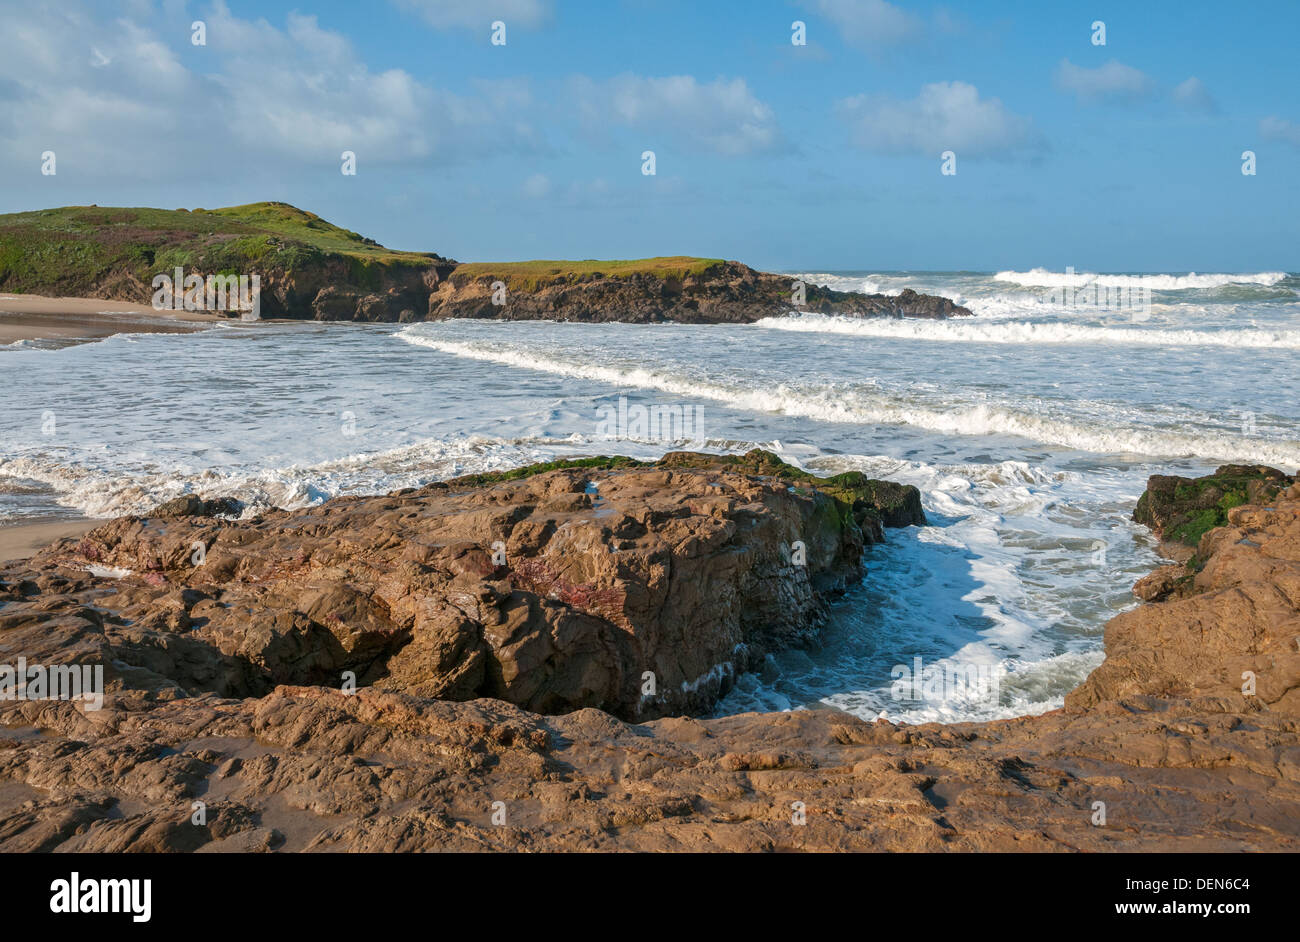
<point x="70" y="321"/>
<point x="26" y="539"/>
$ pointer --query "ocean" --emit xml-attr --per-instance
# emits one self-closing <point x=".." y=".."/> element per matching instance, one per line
<point x="1030" y="430"/>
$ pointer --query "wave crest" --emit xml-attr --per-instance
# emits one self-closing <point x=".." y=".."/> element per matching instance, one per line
<point x="830" y="405"/>
<point x="1042" y="278"/>
<point x="1028" y="332"/>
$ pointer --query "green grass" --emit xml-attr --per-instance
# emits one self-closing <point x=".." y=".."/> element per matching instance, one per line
<point x="301" y="226"/>
<point x="75" y="249"/>
<point x="80" y="250"/>
<point x="530" y="275"/>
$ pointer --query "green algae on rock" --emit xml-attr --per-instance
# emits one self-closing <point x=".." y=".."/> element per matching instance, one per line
<point x="1181" y="510"/>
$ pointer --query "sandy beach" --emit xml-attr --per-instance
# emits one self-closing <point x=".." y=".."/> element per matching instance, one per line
<point x="25" y="539"/>
<point x="73" y="320"/>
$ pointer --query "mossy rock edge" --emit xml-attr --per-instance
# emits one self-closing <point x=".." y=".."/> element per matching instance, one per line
<point x="1182" y="510"/>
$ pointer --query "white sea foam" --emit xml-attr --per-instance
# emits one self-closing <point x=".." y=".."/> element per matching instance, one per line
<point x="105" y="491"/>
<point x="1028" y="332"/>
<point x="833" y="405"/>
<point x="868" y="285"/>
<point x="967" y="592"/>
<point x="108" y="572"/>
<point x="1041" y="277"/>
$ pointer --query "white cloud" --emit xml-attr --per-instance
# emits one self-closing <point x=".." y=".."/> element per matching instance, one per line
<point x="870" y="24"/>
<point x="1192" y="94"/>
<point x="537" y="186"/>
<point x="114" y="98"/>
<point x="442" y="14"/>
<point x="1113" y="81"/>
<point x="722" y="116"/>
<point x="944" y="116"/>
<point x="1274" y="128"/>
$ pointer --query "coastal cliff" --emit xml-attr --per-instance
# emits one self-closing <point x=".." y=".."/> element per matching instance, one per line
<point x="311" y="269"/>
<point x="1186" y="738"/>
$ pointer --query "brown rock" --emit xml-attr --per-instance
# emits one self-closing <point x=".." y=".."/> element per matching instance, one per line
<point x="727" y="292"/>
<point x="647" y="597"/>
<point x="1179" y="510"/>
<point x="1182" y="753"/>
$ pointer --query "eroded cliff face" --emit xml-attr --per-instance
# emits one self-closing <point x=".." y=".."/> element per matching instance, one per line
<point x="729" y="293"/>
<point x="334" y="288"/>
<point x="340" y="291"/>
<point x="1165" y="747"/>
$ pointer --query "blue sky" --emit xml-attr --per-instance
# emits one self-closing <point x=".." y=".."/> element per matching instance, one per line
<point x="825" y="156"/>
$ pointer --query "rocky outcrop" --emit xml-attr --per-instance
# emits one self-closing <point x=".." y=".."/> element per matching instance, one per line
<point x="639" y="589"/>
<point x="1166" y="747"/>
<point x="1180" y="510"/>
<point x="191" y="505"/>
<point x="306" y="266"/>
<point x="403" y="302"/>
<point x="727" y="292"/>
<point x="1227" y="633"/>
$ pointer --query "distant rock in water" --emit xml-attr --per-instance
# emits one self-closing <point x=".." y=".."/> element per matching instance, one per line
<point x="311" y="269"/>
<point x="692" y="291"/>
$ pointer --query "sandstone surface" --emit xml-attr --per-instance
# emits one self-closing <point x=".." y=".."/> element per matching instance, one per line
<point x="218" y="691"/>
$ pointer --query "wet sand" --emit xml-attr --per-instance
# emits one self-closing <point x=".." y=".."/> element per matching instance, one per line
<point x="65" y="321"/>
<point x="24" y="539"/>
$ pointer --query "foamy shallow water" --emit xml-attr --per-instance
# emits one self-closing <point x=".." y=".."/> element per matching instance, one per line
<point x="1029" y="430"/>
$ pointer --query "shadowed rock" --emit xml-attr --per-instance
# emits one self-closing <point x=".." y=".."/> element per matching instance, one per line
<point x="191" y="505"/>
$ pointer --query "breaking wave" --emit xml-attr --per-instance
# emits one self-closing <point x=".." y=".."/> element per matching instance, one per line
<point x="957" y="331"/>
<point x="836" y="405"/>
<point x="102" y="492"/>
<point x="1041" y="277"/>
